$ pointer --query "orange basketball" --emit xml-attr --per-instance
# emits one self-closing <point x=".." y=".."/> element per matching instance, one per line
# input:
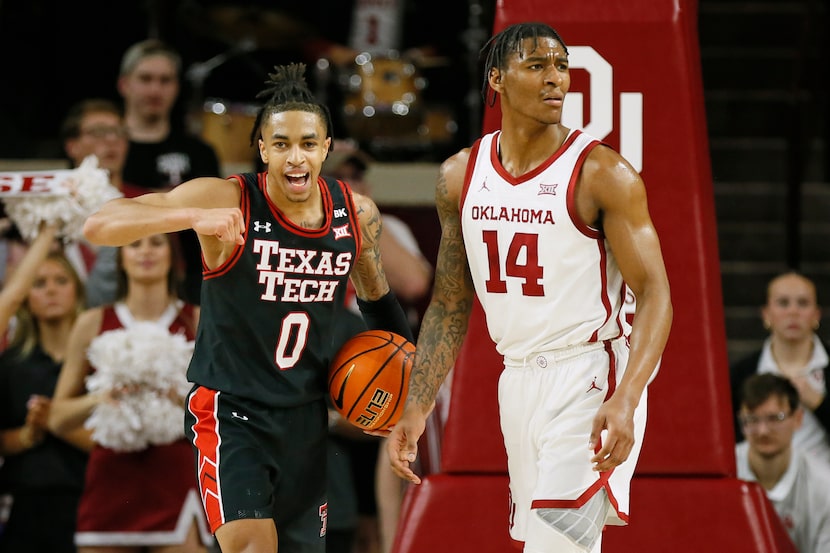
<point x="369" y="378"/>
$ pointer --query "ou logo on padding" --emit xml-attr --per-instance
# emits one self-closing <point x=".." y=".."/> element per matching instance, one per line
<point x="602" y="105"/>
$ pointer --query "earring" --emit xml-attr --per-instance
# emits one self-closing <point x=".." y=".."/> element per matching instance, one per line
<point x="767" y="326"/>
<point x="816" y="325"/>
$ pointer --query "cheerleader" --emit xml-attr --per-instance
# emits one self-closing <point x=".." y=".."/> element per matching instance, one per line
<point x="124" y="381"/>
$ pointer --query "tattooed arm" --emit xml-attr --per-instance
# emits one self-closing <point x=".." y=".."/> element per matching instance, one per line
<point x="368" y="276"/>
<point x="444" y="324"/>
<point x="377" y="302"/>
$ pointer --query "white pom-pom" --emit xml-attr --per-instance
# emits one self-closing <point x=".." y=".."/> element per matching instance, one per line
<point x="163" y="420"/>
<point x="118" y="425"/>
<point x="147" y="367"/>
<point x="87" y="188"/>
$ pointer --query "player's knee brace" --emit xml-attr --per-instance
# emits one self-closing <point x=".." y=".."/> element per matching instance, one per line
<point x="567" y="530"/>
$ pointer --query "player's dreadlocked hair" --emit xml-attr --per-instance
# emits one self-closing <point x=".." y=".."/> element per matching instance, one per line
<point x="286" y="90"/>
<point x="499" y="48"/>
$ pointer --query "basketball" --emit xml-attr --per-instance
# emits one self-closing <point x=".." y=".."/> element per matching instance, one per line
<point x="369" y="378"/>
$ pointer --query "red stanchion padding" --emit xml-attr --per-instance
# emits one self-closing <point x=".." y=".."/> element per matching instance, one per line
<point x="469" y="513"/>
<point x="455" y="513"/>
<point x="698" y="514"/>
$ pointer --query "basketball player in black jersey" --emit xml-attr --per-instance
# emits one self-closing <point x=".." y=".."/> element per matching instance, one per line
<point x="277" y="248"/>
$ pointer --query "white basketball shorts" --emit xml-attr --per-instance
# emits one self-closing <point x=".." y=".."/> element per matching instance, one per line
<point x="547" y="404"/>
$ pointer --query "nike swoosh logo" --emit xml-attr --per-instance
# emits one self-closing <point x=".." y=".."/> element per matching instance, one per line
<point x="338" y="401"/>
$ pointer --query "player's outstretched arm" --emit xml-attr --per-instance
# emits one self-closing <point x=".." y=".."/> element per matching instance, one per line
<point x="619" y="195"/>
<point x="444" y="325"/>
<point x="207" y="205"/>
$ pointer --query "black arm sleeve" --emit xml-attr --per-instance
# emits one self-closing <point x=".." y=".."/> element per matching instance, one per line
<point x="386" y="314"/>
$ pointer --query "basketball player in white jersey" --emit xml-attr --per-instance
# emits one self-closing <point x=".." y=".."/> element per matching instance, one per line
<point x="547" y="226"/>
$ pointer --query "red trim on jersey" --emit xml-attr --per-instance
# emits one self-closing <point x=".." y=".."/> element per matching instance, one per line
<point x="602" y="482"/>
<point x="288" y="224"/>
<point x="603" y="276"/>
<point x="620" y="314"/>
<point x="355" y="222"/>
<point x="612" y="369"/>
<point x="494" y="159"/>
<point x="203" y="404"/>
<point x="351" y="293"/>
<point x="573" y="503"/>
<point x="594" y="234"/>
<point x="245" y="207"/>
<point x="468" y="173"/>
<point x="187" y="314"/>
<point x="577" y="221"/>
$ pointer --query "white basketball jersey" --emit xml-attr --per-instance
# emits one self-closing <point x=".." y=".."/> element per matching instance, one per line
<point x="545" y="279"/>
<point x="377" y="26"/>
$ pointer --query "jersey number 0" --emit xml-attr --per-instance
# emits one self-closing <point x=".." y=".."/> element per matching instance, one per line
<point x="292" y="340"/>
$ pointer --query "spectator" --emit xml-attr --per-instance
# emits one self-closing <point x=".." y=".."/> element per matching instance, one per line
<point x="21" y="271"/>
<point x="42" y="474"/>
<point x="96" y="127"/>
<point x="124" y="378"/>
<point x="793" y="350"/>
<point x="796" y="483"/>
<point x="162" y="154"/>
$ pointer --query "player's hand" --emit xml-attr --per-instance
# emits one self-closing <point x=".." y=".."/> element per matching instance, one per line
<point x="225" y="224"/>
<point x="402" y="443"/>
<point x="616" y="417"/>
<point x="380" y="432"/>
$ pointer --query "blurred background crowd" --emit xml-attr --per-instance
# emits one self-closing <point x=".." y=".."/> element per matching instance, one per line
<point x="54" y="54"/>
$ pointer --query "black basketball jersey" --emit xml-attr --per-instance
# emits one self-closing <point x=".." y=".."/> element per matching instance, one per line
<point x="268" y="314"/>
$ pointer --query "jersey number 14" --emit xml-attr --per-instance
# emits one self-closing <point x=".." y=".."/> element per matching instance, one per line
<point x="523" y="245"/>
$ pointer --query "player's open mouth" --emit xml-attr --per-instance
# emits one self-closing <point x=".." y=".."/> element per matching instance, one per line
<point x="297" y="180"/>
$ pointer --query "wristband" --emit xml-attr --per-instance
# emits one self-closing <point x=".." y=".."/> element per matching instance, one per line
<point x="386" y="314"/>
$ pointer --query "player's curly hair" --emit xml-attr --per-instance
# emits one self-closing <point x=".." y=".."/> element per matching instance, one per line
<point x="286" y="90"/>
<point x="498" y="49"/>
